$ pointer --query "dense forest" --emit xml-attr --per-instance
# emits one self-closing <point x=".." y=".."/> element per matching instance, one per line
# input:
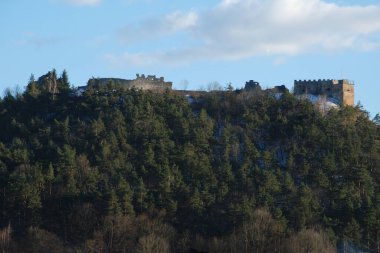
<point x="115" y="170"/>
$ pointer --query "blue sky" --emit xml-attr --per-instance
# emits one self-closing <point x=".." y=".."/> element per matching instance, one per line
<point x="195" y="42"/>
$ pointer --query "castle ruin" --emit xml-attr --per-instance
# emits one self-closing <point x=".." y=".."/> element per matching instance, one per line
<point x="150" y="82"/>
<point x="339" y="92"/>
<point x="252" y="85"/>
<point x="342" y="91"/>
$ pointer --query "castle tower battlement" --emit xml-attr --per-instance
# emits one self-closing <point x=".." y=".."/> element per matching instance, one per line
<point x="341" y="90"/>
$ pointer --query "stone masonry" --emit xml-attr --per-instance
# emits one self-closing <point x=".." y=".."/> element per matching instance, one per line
<point x="340" y="90"/>
<point x="150" y="82"/>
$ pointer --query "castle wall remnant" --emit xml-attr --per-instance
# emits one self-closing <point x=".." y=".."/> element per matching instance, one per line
<point x="340" y="90"/>
<point x="252" y="85"/>
<point x="279" y="89"/>
<point x="150" y="82"/>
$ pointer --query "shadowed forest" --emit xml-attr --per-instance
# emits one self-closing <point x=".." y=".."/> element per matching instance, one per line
<point x="116" y="170"/>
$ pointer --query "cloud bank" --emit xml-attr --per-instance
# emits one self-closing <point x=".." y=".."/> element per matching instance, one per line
<point x="160" y="26"/>
<point x="237" y="29"/>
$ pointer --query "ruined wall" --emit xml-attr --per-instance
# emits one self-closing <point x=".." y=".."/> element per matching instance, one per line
<point x="150" y="83"/>
<point x="252" y="85"/>
<point x="340" y="90"/>
<point x="141" y="82"/>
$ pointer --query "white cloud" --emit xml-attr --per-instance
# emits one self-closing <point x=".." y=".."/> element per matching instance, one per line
<point x="179" y="21"/>
<point x="157" y="27"/>
<point x="228" y="3"/>
<point x="236" y="29"/>
<point x="84" y="2"/>
<point x="136" y="59"/>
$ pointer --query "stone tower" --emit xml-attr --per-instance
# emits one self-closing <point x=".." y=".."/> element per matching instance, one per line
<point x="342" y="91"/>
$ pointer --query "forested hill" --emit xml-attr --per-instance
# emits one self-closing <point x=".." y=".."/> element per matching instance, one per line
<point x="117" y="170"/>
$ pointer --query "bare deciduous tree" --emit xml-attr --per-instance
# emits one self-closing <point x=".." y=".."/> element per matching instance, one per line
<point x="5" y="238"/>
<point x="153" y="243"/>
<point x="309" y="241"/>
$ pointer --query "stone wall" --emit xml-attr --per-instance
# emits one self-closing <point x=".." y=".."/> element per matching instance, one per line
<point x="348" y="94"/>
<point x="150" y="82"/>
<point x="252" y="85"/>
<point x="340" y="90"/>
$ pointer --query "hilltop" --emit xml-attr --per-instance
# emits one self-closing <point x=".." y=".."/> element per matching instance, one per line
<point x="116" y="170"/>
<point x="325" y="94"/>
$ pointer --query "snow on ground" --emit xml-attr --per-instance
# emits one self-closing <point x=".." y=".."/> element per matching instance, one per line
<point x="324" y="104"/>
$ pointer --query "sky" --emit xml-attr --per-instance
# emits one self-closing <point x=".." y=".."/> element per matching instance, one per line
<point x="194" y="42"/>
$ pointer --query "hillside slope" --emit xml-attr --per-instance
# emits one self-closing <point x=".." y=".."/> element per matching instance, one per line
<point x="117" y="169"/>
